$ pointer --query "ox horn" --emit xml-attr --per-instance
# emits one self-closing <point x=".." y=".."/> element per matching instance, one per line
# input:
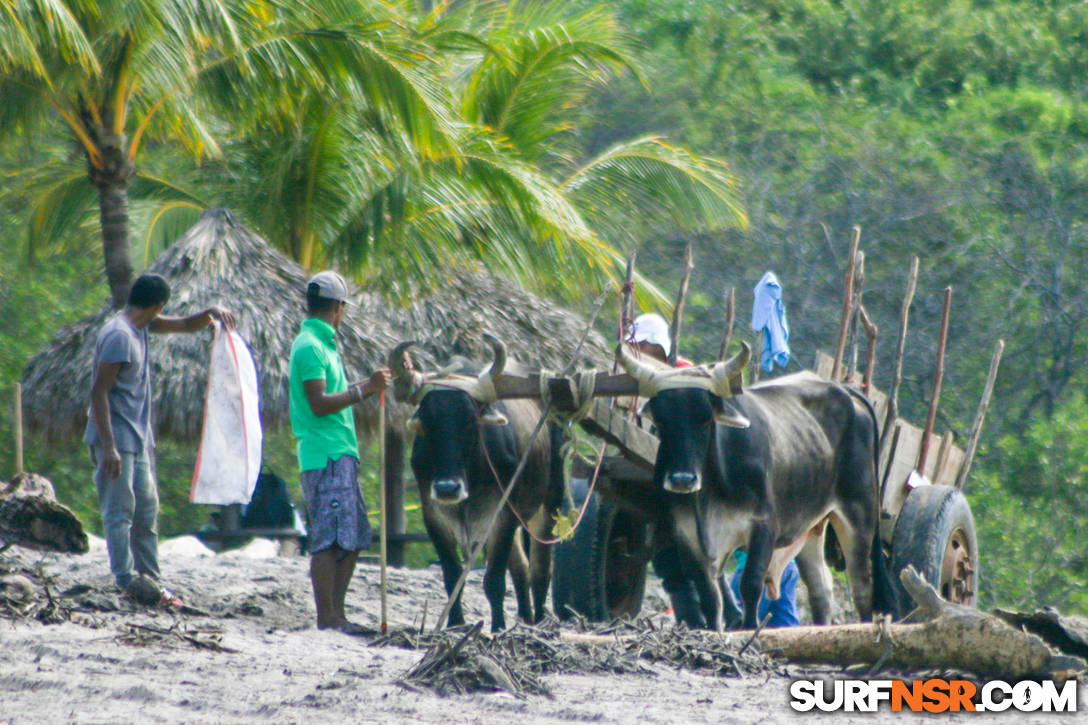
<point x="404" y="379"/>
<point x="640" y="371"/>
<point x="483" y="389"/>
<point x="728" y="374"/>
<point x="498" y="349"/>
<point x="396" y="359"/>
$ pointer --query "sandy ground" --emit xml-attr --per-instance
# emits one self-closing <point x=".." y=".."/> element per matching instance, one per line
<point x="283" y="670"/>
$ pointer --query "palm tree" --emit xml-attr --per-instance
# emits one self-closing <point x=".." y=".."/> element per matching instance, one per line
<point x="511" y="192"/>
<point x="531" y="94"/>
<point x="117" y="73"/>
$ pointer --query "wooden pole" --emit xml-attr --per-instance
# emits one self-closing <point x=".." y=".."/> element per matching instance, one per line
<point x="17" y="427"/>
<point x="938" y="379"/>
<point x="847" y="303"/>
<point x="980" y="416"/>
<point x="900" y="347"/>
<point x="394" y="495"/>
<point x="871" y="332"/>
<point x="757" y="356"/>
<point x="626" y="303"/>
<point x="384" y="533"/>
<point x="678" y="309"/>
<point x="730" y="320"/>
<point x="855" y="309"/>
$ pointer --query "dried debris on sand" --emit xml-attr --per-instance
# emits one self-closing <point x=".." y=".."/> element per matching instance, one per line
<point x="463" y="659"/>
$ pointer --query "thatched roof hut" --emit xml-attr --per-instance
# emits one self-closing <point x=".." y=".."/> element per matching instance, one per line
<point x="221" y="261"/>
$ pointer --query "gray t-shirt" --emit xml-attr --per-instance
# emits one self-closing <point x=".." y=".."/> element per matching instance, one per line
<point x="130" y="396"/>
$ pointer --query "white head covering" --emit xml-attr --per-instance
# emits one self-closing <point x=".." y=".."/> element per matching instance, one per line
<point x="651" y="328"/>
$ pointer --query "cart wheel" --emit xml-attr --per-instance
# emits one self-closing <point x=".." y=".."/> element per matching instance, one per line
<point x="601" y="572"/>
<point x="935" y="533"/>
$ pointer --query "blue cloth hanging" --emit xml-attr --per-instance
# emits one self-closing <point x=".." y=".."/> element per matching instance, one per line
<point x="769" y="317"/>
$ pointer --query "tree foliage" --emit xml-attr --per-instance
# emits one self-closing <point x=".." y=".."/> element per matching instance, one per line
<point x="545" y="139"/>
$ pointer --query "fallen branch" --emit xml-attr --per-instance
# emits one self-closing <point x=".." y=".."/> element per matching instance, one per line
<point x="953" y="638"/>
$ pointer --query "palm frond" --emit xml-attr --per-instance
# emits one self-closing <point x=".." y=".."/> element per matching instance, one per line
<point x="551" y="59"/>
<point x="30" y="32"/>
<point x="62" y="210"/>
<point x="660" y="185"/>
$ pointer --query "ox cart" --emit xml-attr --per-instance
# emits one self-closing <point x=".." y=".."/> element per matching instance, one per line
<point x="925" y="520"/>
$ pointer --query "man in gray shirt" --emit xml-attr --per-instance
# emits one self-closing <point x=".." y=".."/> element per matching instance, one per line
<point x="119" y="425"/>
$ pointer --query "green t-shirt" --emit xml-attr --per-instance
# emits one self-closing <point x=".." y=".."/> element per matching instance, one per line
<point x="320" y="438"/>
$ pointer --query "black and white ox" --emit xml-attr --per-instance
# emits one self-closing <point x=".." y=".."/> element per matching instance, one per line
<point x="767" y="468"/>
<point x="467" y="447"/>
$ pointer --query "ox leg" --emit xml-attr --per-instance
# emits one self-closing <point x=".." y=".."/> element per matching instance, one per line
<point x="498" y="554"/>
<point x="760" y="549"/>
<point x="445" y="546"/>
<point x="817" y="578"/>
<point x="854" y="530"/>
<point x="708" y="585"/>
<point x="518" y="566"/>
<point x="732" y="613"/>
<point x="540" y="555"/>
<point x="540" y="568"/>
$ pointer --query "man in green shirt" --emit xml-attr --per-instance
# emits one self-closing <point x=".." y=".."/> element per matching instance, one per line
<point x="328" y="454"/>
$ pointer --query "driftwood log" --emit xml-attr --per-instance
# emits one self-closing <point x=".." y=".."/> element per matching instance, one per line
<point x="31" y="517"/>
<point x="940" y="635"/>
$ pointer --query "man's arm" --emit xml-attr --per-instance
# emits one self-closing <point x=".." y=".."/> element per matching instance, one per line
<point x="191" y="323"/>
<point x="322" y="403"/>
<point x="104" y="378"/>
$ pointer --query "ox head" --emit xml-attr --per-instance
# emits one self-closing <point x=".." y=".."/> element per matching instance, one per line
<point x="450" y="405"/>
<point x="686" y="404"/>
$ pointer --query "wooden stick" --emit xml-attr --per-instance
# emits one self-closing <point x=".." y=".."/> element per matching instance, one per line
<point x="847" y="302"/>
<point x="730" y="320"/>
<point x="871" y="332"/>
<point x="900" y="347"/>
<point x="17" y="427"/>
<point x="678" y="309"/>
<point x="383" y="534"/>
<point x="980" y="416"/>
<point x="625" y="298"/>
<point x="757" y="356"/>
<point x="938" y="379"/>
<point x="855" y="306"/>
<point x="623" y="330"/>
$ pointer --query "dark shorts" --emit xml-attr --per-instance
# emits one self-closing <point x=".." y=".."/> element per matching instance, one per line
<point x="335" y="506"/>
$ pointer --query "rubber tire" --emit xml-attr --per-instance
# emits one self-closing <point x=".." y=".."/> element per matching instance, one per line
<point x="923" y="530"/>
<point x="580" y="580"/>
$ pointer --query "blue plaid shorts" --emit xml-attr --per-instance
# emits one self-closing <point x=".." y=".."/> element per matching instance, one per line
<point x="336" y="507"/>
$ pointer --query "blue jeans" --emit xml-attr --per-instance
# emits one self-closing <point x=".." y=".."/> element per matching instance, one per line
<point x="130" y="510"/>
<point x="784" y="609"/>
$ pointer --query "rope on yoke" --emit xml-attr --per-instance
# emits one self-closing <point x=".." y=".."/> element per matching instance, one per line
<point x="582" y="393"/>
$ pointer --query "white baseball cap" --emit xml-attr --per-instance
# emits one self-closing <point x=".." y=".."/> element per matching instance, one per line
<point x="651" y="328"/>
<point x="329" y="285"/>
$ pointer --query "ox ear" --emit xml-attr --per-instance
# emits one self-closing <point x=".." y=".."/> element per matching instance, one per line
<point x="490" y="416"/>
<point x="415" y="425"/>
<point x="725" y="413"/>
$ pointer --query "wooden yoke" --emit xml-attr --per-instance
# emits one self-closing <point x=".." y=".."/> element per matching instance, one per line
<point x="609" y="424"/>
<point x="636" y="442"/>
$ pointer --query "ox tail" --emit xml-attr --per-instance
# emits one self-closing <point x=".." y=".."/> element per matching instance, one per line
<point x="885" y="600"/>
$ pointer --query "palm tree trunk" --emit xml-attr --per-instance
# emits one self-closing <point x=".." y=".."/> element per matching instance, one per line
<point x="111" y="180"/>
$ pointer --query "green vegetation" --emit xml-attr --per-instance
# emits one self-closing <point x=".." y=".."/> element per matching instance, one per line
<point x="544" y="139"/>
